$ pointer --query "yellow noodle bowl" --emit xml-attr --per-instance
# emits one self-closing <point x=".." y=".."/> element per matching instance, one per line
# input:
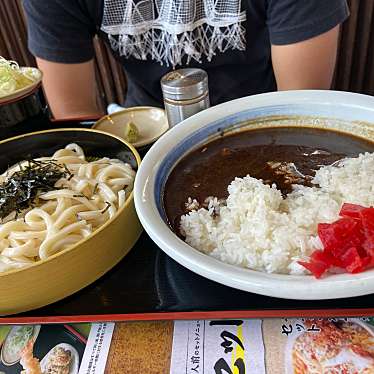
<point x="83" y="201"/>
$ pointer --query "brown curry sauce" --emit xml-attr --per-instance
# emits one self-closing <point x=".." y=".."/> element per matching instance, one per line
<point x="284" y="156"/>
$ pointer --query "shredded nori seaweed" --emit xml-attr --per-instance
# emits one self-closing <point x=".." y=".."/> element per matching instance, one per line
<point x="108" y="205"/>
<point x="20" y="190"/>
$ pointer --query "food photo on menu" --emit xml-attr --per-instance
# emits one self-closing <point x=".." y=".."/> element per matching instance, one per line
<point x="274" y="346"/>
<point x="321" y="346"/>
<point x="341" y="346"/>
<point x="41" y="349"/>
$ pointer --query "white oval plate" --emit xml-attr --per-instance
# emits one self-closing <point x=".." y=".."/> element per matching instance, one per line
<point x="74" y="366"/>
<point x="339" y="105"/>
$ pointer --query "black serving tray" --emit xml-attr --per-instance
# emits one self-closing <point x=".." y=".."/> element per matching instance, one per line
<point x="149" y="281"/>
<point x="148" y="284"/>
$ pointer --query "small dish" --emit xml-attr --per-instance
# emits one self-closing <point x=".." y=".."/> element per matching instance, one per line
<point x="150" y="121"/>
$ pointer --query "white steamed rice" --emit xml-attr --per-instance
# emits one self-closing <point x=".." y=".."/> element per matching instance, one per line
<point x="258" y="229"/>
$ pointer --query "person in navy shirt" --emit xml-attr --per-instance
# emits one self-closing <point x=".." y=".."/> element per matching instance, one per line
<point x="246" y="47"/>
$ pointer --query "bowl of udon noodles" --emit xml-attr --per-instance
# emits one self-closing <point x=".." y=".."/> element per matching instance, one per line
<point x="271" y="194"/>
<point x="67" y="213"/>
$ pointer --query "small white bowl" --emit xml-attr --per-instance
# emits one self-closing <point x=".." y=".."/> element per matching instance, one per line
<point x="348" y="112"/>
<point x="150" y="121"/>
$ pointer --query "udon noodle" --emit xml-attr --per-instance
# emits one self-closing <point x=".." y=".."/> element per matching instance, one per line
<point x="60" y="218"/>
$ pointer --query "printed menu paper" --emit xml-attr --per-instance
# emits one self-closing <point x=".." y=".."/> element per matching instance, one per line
<point x="273" y="346"/>
<point x="54" y="348"/>
<point x="217" y="346"/>
<point x="96" y="353"/>
<point x="231" y="346"/>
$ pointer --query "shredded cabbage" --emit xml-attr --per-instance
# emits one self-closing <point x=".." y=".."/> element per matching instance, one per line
<point x="12" y="77"/>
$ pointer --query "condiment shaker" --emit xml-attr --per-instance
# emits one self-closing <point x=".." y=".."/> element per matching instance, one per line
<point x="185" y="93"/>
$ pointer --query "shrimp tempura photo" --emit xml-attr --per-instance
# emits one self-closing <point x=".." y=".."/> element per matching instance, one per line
<point x="30" y="364"/>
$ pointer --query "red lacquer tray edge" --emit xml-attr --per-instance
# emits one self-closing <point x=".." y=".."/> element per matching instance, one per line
<point x="322" y="313"/>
